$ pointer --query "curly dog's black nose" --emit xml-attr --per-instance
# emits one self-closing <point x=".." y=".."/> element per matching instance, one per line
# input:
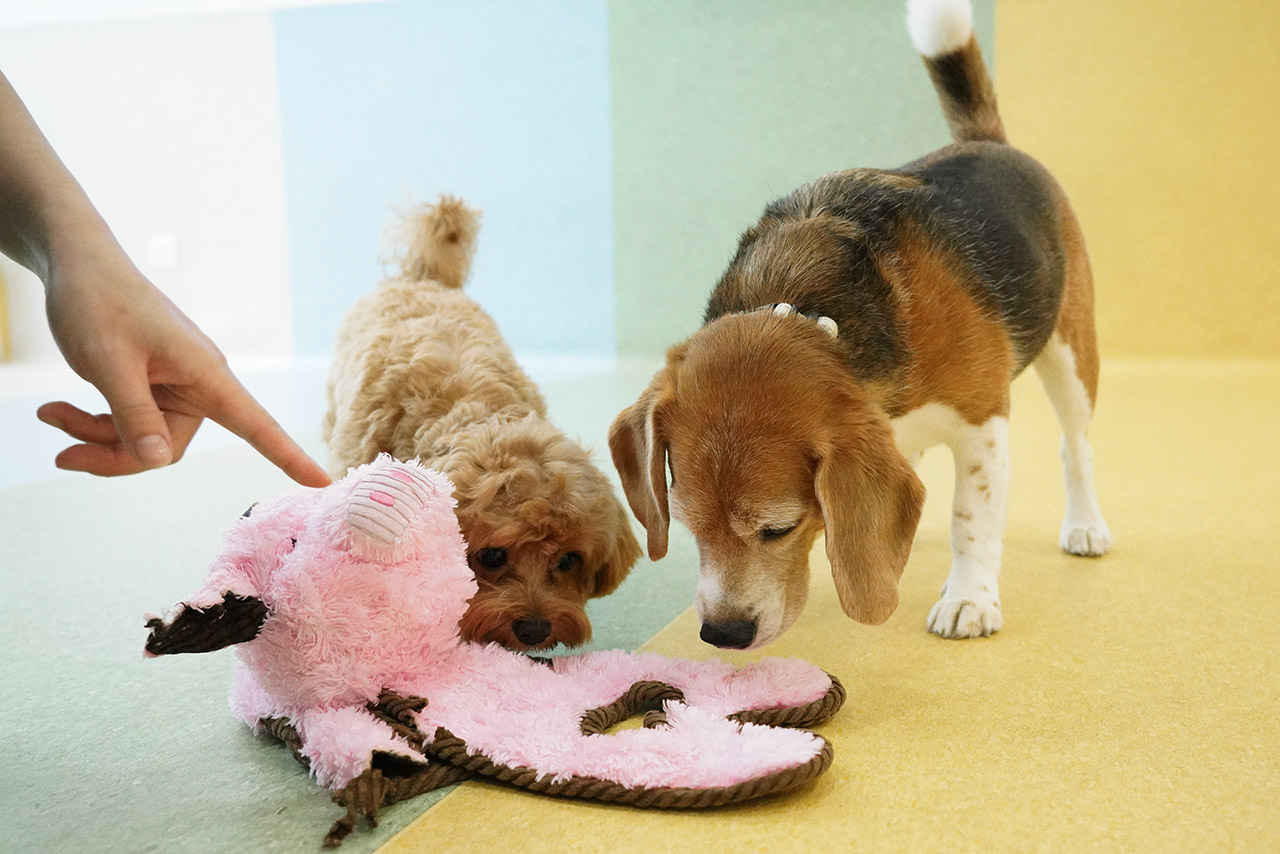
<point x="530" y="631"/>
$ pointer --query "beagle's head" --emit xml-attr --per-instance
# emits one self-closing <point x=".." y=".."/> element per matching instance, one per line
<point x="768" y="440"/>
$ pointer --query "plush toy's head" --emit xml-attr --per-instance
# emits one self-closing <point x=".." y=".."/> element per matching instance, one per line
<point x="363" y="581"/>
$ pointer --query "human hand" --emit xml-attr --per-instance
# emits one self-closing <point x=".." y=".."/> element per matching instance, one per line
<point x="161" y="376"/>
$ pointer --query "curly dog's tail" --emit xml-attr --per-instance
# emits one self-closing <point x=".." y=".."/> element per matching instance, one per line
<point x="435" y="242"/>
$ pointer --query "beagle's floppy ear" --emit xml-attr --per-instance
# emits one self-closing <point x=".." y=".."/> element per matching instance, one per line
<point x="871" y="501"/>
<point x="640" y="456"/>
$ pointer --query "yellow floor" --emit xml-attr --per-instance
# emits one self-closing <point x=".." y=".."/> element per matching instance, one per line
<point x="1131" y="703"/>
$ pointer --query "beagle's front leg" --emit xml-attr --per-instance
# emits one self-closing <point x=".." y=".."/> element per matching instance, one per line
<point x="970" y="603"/>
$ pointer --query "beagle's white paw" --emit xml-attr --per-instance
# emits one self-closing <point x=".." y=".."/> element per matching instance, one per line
<point x="1087" y="540"/>
<point x="966" y="617"/>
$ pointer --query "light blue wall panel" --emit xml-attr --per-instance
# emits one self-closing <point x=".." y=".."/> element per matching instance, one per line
<point x="503" y="103"/>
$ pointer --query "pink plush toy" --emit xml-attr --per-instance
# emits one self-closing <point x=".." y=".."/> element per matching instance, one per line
<point x="345" y="603"/>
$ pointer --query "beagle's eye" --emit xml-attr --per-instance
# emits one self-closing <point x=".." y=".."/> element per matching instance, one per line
<point x="569" y="562"/>
<point x="776" y="533"/>
<point x="492" y="558"/>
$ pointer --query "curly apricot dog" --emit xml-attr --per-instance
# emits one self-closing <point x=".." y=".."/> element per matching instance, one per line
<point x="420" y="370"/>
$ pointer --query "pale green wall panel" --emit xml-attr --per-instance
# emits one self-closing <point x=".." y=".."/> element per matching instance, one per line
<point x="720" y="106"/>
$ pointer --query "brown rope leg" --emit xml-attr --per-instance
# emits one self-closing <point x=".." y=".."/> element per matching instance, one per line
<point x="362" y="796"/>
<point x="372" y="790"/>
<point x="398" y="713"/>
<point x="390" y="779"/>
<point x="282" y="730"/>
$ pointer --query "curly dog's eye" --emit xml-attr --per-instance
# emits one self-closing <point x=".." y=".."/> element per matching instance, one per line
<point x="492" y="558"/>
<point x="569" y="562"/>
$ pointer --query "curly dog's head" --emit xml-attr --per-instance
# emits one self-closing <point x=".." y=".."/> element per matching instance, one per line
<point x="544" y="531"/>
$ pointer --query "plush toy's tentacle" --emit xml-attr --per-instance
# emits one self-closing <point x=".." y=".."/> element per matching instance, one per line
<point x="448" y="748"/>
<point x="707" y="737"/>
<point x="235" y="620"/>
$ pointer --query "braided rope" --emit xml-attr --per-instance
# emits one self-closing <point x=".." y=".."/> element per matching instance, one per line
<point x="283" y="730"/>
<point x="398" y="712"/>
<point x="654" y="718"/>
<point x="449" y="748"/>
<point x="819" y="711"/>
<point x="647" y="696"/>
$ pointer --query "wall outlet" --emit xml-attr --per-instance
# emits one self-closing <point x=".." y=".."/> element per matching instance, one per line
<point x="162" y="251"/>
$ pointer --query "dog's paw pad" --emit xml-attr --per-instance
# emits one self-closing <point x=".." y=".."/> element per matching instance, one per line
<point x="1092" y="540"/>
<point x="965" y="618"/>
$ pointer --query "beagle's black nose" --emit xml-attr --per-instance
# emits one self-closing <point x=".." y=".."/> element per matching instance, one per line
<point x="732" y="634"/>
<point x="530" y="631"/>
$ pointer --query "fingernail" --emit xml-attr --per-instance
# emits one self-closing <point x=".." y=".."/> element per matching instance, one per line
<point x="51" y="421"/>
<point x="153" y="451"/>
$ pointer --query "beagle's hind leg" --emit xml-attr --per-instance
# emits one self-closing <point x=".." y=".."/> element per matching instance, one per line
<point x="1071" y="383"/>
<point x="1068" y="369"/>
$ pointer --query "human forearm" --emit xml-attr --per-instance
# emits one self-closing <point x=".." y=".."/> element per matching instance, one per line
<point x="45" y="216"/>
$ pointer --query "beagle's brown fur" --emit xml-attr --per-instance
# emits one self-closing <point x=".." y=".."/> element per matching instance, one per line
<point x="945" y="278"/>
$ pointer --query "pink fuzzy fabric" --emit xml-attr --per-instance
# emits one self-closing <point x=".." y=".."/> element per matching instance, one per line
<point x="365" y="582"/>
<point x="521" y="713"/>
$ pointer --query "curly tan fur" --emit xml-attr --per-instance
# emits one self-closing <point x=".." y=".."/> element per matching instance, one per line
<point x="420" y="370"/>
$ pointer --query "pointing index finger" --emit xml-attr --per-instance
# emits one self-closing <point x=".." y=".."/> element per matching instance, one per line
<point x="238" y="411"/>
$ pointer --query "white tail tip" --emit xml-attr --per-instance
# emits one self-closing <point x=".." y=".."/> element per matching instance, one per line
<point x="939" y="27"/>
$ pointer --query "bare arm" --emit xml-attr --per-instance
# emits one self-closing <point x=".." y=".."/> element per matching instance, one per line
<point x="161" y="376"/>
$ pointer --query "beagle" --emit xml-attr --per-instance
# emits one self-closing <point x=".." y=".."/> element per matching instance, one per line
<point x="865" y="317"/>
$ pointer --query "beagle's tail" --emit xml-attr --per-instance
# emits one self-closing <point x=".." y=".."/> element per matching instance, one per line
<point x="434" y="242"/>
<point x="942" y="30"/>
